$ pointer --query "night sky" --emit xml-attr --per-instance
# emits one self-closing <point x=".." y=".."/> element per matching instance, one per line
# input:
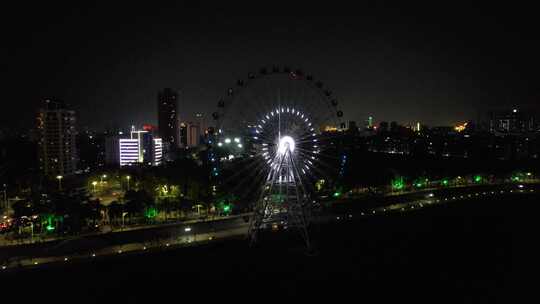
<point x="438" y="65"/>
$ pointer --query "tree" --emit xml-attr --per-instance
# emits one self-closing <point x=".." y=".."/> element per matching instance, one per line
<point x="92" y="211"/>
<point x="137" y="202"/>
<point x="115" y="210"/>
<point x="22" y="208"/>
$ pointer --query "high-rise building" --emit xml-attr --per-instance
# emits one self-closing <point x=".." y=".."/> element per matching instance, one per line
<point x="352" y="126"/>
<point x="141" y="148"/>
<point x="183" y="135"/>
<point x="57" y="139"/>
<point x="193" y="135"/>
<point x="112" y="149"/>
<point x="201" y="122"/>
<point x="168" y="117"/>
<point x="90" y="149"/>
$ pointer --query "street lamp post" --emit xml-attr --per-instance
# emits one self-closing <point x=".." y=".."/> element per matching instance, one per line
<point x="123" y="215"/>
<point x="128" y="178"/>
<point x="59" y="178"/>
<point x="101" y="178"/>
<point x="198" y="206"/>
<point x="94" y="183"/>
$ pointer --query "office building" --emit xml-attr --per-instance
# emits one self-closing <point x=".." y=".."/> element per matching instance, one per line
<point x="141" y="148"/>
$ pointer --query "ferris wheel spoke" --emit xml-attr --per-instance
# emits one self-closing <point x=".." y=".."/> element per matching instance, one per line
<point x="253" y="168"/>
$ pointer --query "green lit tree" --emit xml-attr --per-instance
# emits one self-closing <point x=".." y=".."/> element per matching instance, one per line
<point x="398" y="183"/>
<point x="137" y="202"/>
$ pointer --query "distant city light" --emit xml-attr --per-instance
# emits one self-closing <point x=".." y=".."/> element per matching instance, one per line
<point x="460" y="127"/>
<point x="227" y="140"/>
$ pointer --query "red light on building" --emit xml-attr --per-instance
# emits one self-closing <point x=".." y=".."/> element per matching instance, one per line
<point x="149" y="128"/>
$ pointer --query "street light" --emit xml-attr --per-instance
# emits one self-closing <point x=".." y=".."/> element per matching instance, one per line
<point x="128" y="178"/>
<point x="59" y="178"/>
<point x="94" y="183"/>
<point x="103" y="177"/>
<point x="198" y="206"/>
<point x="123" y="215"/>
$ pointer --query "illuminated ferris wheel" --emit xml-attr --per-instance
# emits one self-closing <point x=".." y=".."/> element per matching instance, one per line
<point x="271" y="133"/>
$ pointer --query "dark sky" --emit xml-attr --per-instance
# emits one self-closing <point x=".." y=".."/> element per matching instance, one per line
<point x="437" y="65"/>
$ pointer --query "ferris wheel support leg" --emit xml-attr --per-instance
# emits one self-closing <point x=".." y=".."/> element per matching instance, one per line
<point x="256" y="221"/>
<point x="303" y="205"/>
<point x="263" y="204"/>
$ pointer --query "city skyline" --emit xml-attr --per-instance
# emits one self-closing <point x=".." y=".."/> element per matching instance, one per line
<point x="187" y="150"/>
<point x="387" y="63"/>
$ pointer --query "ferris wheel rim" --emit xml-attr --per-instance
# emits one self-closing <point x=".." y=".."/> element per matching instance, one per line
<point x="225" y="103"/>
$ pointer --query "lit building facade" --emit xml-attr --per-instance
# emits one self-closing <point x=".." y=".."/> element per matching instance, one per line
<point x="141" y="148"/>
<point x="57" y="139"/>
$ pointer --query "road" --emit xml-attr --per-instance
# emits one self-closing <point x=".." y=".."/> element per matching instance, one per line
<point x="135" y="241"/>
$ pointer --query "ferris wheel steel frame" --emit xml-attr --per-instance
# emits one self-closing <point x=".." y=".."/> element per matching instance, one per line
<point x="284" y="199"/>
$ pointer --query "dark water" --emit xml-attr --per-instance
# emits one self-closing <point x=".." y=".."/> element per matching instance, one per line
<point x="467" y="252"/>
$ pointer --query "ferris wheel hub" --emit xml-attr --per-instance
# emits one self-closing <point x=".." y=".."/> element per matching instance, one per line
<point x="286" y="143"/>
